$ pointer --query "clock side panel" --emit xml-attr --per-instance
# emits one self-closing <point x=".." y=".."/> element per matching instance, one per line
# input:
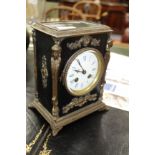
<point x="69" y="47"/>
<point x="44" y="43"/>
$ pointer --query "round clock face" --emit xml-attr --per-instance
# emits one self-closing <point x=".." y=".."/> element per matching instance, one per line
<point x="83" y="71"/>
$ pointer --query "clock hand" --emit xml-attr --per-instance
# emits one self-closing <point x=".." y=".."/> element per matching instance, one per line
<point x="83" y="71"/>
<point x="78" y="71"/>
<point x="79" y="64"/>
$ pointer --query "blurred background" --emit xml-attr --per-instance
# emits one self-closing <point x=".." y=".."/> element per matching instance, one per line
<point x="114" y="13"/>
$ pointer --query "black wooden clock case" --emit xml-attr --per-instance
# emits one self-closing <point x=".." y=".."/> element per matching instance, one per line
<point x="52" y="49"/>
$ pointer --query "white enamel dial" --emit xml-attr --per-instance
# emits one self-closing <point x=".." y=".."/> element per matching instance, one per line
<point x="84" y="71"/>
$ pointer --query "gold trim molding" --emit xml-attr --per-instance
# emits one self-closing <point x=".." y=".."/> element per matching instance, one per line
<point x="32" y="143"/>
<point x="45" y="150"/>
<point x="79" y="102"/>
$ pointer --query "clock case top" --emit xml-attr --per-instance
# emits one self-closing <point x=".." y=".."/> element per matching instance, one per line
<point x="46" y="38"/>
<point x="70" y="28"/>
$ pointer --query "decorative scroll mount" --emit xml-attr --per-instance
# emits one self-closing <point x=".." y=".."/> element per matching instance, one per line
<point x="79" y="102"/>
<point x="84" y="41"/>
<point x="44" y="71"/>
<point x="106" y="60"/>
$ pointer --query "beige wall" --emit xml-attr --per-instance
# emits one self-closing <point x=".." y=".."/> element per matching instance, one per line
<point x="36" y="8"/>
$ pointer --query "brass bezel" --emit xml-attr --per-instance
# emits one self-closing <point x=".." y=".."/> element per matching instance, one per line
<point x="98" y="75"/>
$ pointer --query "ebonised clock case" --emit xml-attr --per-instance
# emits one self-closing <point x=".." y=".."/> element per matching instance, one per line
<point x="43" y="43"/>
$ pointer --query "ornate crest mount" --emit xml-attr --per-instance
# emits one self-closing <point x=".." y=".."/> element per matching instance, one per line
<point x="44" y="71"/>
<point x="79" y="102"/>
<point x="84" y="41"/>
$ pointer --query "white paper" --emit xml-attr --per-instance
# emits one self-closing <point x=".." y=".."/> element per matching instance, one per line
<point x="116" y="89"/>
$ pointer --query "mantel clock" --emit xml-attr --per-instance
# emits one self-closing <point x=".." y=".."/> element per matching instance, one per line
<point x="70" y="61"/>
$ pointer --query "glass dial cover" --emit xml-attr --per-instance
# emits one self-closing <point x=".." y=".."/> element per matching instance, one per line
<point x="83" y="71"/>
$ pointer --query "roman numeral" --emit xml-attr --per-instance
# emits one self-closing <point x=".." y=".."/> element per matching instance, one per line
<point x="84" y="58"/>
<point x="71" y="75"/>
